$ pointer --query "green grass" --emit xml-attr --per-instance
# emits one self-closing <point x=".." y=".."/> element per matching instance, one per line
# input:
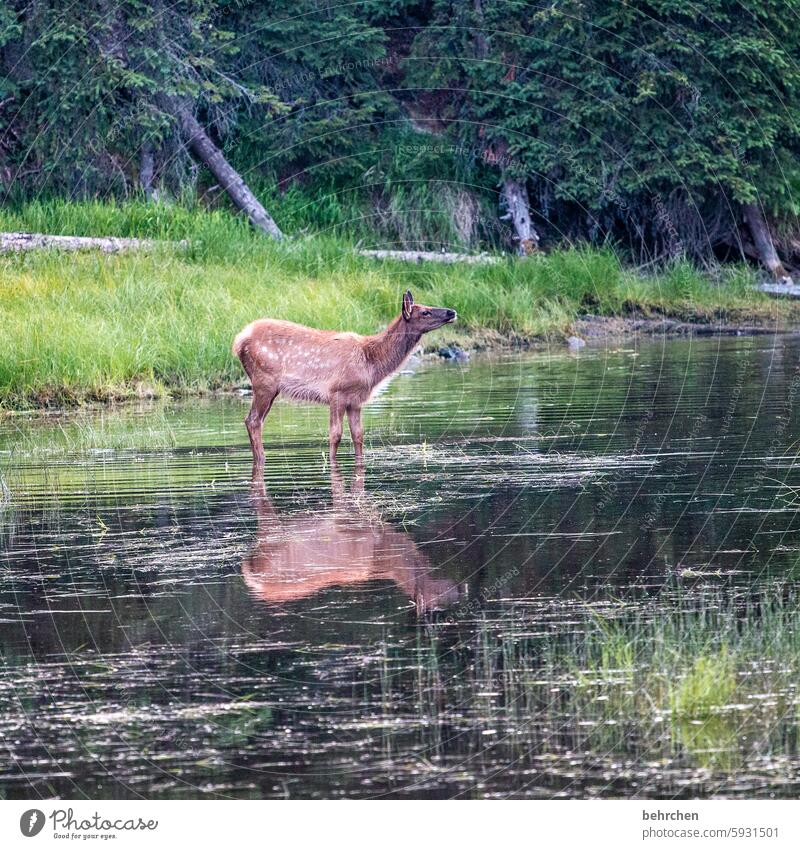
<point x="707" y="686"/>
<point x="713" y="676"/>
<point x="708" y="675"/>
<point x="88" y="326"/>
<point x="701" y="656"/>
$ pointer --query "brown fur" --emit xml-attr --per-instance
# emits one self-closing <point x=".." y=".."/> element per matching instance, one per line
<point x="341" y="370"/>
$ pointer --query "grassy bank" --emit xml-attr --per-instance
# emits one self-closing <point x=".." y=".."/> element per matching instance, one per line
<point x="89" y="326"/>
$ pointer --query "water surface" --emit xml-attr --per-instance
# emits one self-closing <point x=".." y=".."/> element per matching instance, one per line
<point x="489" y="611"/>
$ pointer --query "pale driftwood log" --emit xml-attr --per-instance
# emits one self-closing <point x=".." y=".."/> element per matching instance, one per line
<point x="232" y="182"/>
<point x="16" y="242"/>
<point x="516" y="197"/>
<point x="780" y="290"/>
<point x="765" y="247"/>
<point x="11" y="242"/>
<point x="431" y="256"/>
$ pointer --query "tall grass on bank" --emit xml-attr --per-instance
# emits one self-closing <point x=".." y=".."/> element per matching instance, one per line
<point x="83" y="326"/>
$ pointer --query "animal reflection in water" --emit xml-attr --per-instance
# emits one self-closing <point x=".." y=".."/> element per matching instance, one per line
<point x="296" y="557"/>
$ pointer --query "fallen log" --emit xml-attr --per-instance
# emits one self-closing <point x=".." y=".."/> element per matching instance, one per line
<point x="198" y="141"/>
<point x="18" y="242"/>
<point x="780" y="290"/>
<point x="432" y="256"/>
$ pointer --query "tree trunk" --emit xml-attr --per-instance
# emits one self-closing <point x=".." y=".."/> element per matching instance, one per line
<point x="231" y="181"/>
<point x="754" y="218"/>
<point x="481" y="44"/>
<point x="147" y="170"/>
<point x="516" y="198"/>
<point x="514" y="193"/>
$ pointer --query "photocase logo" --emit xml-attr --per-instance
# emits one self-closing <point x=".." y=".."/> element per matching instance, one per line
<point x="64" y="823"/>
<point x="31" y="822"/>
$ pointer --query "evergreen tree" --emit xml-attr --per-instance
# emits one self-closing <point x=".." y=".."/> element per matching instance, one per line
<point x="667" y="127"/>
<point x="652" y="123"/>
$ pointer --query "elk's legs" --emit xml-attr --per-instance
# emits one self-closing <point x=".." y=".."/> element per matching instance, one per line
<point x="356" y="431"/>
<point x="262" y="402"/>
<point x="335" y="431"/>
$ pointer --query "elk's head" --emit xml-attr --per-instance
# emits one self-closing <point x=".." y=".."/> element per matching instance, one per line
<point x="424" y="319"/>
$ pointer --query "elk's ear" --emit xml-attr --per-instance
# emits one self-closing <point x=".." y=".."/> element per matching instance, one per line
<point x="408" y="302"/>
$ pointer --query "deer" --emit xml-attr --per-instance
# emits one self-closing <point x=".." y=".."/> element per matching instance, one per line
<point x="296" y="557"/>
<point x="340" y="369"/>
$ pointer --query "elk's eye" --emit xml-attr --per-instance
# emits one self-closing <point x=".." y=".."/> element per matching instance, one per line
<point x="426" y="312"/>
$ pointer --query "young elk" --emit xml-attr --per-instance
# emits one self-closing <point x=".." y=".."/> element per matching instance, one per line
<point x="327" y="367"/>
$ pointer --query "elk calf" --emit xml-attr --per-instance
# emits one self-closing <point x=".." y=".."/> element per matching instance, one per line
<point x="327" y="367"/>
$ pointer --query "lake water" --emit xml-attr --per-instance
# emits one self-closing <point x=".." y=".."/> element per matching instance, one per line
<point x="507" y="603"/>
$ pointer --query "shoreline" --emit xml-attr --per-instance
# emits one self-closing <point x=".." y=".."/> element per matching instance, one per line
<point x="594" y="331"/>
<point x="594" y="326"/>
<point x="96" y="327"/>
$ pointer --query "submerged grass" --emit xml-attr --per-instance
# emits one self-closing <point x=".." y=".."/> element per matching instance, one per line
<point x="701" y="655"/>
<point x="90" y="326"/>
<point x="707" y="686"/>
<point x="86" y="432"/>
<point x="712" y="675"/>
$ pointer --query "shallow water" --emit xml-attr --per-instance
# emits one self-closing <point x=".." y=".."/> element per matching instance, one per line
<point x="167" y="631"/>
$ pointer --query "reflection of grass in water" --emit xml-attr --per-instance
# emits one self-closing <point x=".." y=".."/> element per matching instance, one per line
<point x="7" y="514"/>
<point x="100" y="450"/>
<point x="58" y="454"/>
<point x="712" y="743"/>
<point x="91" y="431"/>
<point x="710" y="678"/>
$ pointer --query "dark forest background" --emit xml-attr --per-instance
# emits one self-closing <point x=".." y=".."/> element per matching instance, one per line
<point x="663" y="128"/>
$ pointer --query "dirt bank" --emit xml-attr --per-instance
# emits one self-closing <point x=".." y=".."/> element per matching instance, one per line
<point x="596" y="327"/>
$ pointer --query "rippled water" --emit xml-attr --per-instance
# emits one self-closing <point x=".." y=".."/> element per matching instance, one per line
<point x="487" y="612"/>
